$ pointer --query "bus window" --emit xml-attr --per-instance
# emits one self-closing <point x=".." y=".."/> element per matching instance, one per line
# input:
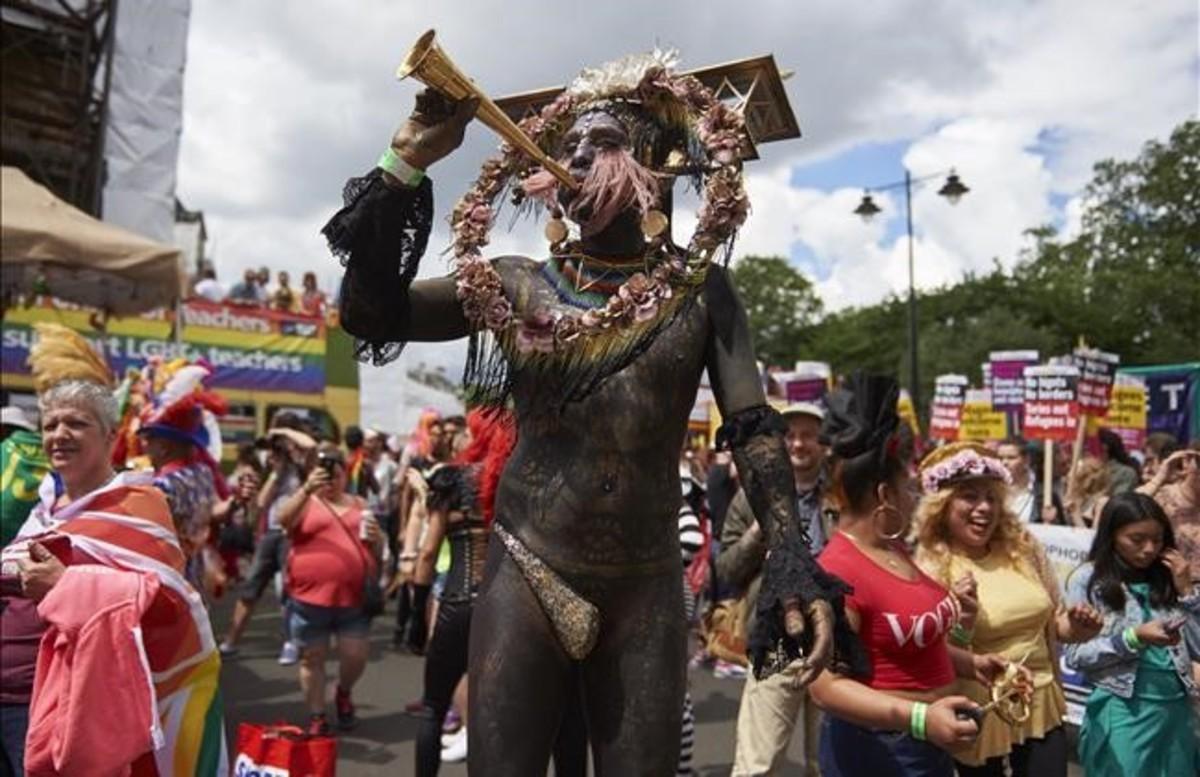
<point x="238" y="426"/>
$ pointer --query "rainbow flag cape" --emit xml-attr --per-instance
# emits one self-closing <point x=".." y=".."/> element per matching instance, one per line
<point x="126" y="525"/>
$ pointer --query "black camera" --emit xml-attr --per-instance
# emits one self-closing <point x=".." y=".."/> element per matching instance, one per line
<point x="328" y="461"/>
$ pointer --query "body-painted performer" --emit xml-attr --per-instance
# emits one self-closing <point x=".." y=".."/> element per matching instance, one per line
<point x="127" y="669"/>
<point x="600" y="349"/>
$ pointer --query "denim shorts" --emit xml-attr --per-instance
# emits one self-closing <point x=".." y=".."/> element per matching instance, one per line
<point x="311" y="624"/>
<point x="847" y="750"/>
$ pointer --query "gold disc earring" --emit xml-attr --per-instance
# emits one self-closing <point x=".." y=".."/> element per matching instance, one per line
<point x="556" y="228"/>
<point x="654" y="223"/>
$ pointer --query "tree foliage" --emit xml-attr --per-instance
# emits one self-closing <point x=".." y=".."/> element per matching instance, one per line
<point x="781" y="305"/>
<point x="1129" y="283"/>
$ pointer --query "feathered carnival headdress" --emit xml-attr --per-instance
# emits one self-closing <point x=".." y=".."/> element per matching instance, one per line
<point x="676" y="125"/>
<point x="62" y="354"/>
<point x="169" y="399"/>
<point x="959" y="461"/>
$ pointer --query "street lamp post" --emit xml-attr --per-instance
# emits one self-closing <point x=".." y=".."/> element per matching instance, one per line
<point x="952" y="190"/>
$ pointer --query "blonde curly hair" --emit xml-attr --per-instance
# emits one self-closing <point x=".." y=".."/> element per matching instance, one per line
<point x="933" y="534"/>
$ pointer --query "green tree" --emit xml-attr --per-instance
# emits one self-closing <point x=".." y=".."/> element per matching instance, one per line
<point x="1130" y="281"/>
<point x="780" y="304"/>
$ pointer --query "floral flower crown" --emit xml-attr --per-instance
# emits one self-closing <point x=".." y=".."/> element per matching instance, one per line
<point x="960" y="461"/>
<point x="642" y="83"/>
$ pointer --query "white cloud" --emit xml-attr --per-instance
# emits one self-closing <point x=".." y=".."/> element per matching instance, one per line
<point x="281" y="107"/>
<point x="1063" y="91"/>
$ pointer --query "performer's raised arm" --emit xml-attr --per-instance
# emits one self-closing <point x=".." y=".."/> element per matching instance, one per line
<point x="381" y="232"/>
<point x="794" y="588"/>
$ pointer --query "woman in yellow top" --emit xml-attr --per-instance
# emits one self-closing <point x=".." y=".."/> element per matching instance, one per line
<point x="969" y="540"/>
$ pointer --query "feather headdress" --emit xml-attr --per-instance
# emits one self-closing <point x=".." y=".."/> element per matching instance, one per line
<point x="622" y="76"/>
<point x="181" y="408"/>
<point x="61" y="354"/>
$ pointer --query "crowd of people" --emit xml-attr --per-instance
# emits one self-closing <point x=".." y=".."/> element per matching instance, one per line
<point x="952" y="597"/>
<point x="256" y="290"/>
<point x="951" y="591"/>
<point x="546" y="561"/>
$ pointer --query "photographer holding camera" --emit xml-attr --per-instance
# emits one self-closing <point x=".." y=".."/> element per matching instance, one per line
<point x="290" y="449"/>
<point x="335" y="549"/>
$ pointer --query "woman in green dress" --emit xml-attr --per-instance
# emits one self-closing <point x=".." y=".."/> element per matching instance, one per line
<point x="1139" y="717"/>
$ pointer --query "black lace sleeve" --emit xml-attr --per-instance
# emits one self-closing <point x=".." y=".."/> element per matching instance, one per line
<point x="379" y="236"/>
<point x="756" y="438"/>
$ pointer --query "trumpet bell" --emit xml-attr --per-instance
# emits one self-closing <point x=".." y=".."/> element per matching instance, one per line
<point x="429" y="64"/>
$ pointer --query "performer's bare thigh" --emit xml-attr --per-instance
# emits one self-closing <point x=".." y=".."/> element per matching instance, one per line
<point x="634" y="680"/>
<point x="519" y="676"/>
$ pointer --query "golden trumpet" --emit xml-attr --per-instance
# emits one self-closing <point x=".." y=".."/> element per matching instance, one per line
<point x="427" y="63"/>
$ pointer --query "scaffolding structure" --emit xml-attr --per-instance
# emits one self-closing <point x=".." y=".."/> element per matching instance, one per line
<point x="55" y="76"/>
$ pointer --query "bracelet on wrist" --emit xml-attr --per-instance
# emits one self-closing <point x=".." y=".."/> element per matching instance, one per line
<point x="916" y="720"/>
<point x="391" y="163"/>
<point x="1132" y="641"/>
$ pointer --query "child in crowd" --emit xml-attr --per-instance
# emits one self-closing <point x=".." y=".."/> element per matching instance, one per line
<point x="1139" y="719"/>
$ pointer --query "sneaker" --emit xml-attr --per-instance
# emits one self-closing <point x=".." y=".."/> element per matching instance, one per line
<point x="450" y="741"/>
<point x="318" y="726"/>
<point x="457" y="751"/>
<point x="228" y="650"/>
<point x="290" y="654"/>
<point x="452" y="723"/>
<point x="724" y="670"/>
<point x="346" y="719"/>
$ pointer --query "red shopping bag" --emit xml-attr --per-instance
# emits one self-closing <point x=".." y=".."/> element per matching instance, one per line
<point x="283" y="751"/>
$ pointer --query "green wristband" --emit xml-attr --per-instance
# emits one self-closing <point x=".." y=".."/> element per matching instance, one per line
<point x="390" y="162"/>
<point x="1131" y="639"/>
<point x="916" y="721"/>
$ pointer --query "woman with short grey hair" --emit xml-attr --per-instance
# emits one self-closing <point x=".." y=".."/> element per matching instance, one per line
<point x="98" y="550"/>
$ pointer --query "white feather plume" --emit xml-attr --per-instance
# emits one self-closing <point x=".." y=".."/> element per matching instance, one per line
<point x="620" y="76"/>
<point x="185" y="381"/>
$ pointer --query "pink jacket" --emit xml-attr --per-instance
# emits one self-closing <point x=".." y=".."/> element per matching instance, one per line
<point x="93" y="709"/>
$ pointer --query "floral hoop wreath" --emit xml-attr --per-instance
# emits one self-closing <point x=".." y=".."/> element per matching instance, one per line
<point x="639" y="301"/>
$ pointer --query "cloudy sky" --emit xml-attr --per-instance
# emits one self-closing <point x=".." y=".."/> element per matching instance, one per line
<point x="1020" y="97"/>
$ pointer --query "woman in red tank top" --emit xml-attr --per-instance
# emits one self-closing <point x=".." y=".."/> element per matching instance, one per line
<point x="898" y="717"/>
<point x="336" y="544"/>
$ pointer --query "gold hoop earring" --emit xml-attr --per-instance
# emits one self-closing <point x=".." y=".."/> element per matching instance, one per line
<point x="883" y="535"/>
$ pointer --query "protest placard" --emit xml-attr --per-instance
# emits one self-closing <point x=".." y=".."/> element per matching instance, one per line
<point x="1127" y="412"/>
<point x="945" y="416"/>
<point x="1066" y="548"/>
<point x="1007" y="378"/>
<point x="1051" y="404"/>
<point x="808" y="382"/>
<point x="979" y="421"/>
<point x="1097" y="370"/>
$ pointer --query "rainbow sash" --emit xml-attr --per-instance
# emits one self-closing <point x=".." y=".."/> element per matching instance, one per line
<point x="126" y="525"/>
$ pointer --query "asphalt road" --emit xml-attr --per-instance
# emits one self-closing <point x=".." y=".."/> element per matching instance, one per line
<point x="257" y="689"/>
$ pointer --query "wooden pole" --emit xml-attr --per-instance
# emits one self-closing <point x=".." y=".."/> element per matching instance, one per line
<point x="1077" y="447"/>
<point x="1048" y="474"/>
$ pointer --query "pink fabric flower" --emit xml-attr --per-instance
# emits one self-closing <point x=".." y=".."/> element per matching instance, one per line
<point x="964" y="464"/>
<point x="536" y="333"/>
<point x="497" y="313"/>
